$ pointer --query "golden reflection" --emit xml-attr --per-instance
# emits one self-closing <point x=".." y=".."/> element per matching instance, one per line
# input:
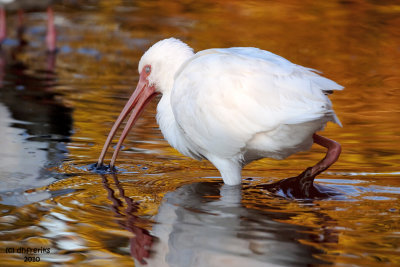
<point x="99" y="219"/>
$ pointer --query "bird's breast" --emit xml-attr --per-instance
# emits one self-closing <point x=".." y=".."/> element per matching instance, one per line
<point x="172" y="131"/>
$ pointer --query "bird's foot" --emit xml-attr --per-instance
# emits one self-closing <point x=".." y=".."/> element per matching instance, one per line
<point x="95" y="167"/>
<point x="299" y="187"/>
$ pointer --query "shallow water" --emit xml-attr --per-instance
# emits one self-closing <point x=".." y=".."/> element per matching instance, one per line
<point x="55" y="113"/>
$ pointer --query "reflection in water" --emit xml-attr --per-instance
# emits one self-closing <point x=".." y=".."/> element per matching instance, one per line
<point x="355" y="42"/>
<point x="141" y="243"/>
<point x="205" y="224"/>
<point x="22" y="6"/>
<point x="34" y="126"/>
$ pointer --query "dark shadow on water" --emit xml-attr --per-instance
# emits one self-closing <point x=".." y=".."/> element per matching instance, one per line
<point x="300" y="187"/>
<point x="207" y="224"/>
<point x="34" y="123"/>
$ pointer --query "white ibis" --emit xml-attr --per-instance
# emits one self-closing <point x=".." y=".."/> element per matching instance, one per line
<point x="231" y="106"/>
<point x="20" y="5"/>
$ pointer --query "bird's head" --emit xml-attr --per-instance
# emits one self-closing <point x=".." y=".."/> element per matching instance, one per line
<point x="160" y="62"/>
<point x="157" y="69"/>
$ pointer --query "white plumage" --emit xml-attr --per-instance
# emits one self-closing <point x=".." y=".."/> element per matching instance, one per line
<point x="235" y="105"/>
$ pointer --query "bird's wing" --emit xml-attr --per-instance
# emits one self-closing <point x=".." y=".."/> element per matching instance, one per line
<point x="221" y="98"/>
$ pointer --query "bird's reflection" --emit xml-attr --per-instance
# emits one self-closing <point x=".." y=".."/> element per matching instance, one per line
<point x="206" y="224"/>
<point x="141" y="242"/>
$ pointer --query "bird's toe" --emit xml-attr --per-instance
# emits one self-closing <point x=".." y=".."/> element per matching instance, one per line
<point x="299" y="187"/>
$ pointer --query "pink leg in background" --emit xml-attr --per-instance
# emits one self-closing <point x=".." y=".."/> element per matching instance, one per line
<point x="20" y="18"/>
<point x="51" y="31"/>
<point x="3" y="33"/>
<point x="21" y="28"/>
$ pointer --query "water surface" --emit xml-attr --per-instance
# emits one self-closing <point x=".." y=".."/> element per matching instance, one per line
<point x="169" y="210"/>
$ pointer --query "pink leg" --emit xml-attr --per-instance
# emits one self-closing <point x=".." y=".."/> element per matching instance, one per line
<point x="51" y="31"/>
<point x="302" y="186"/>
<point x="21" y="28"/>
<point x="3" y="33"/>
<point x="331" y="156"/>
<point x="20" y="18"/>
<point x="305" y="180"/>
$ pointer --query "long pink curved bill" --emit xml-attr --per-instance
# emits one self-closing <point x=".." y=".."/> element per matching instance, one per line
<point x="136" y="103"/>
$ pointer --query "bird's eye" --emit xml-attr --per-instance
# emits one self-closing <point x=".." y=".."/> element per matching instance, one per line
<point x="147" y="69"/>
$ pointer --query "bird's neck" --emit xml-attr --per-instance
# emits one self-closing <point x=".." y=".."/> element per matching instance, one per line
<point x="170" y="128"/>
<point x="166" y="119"/>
